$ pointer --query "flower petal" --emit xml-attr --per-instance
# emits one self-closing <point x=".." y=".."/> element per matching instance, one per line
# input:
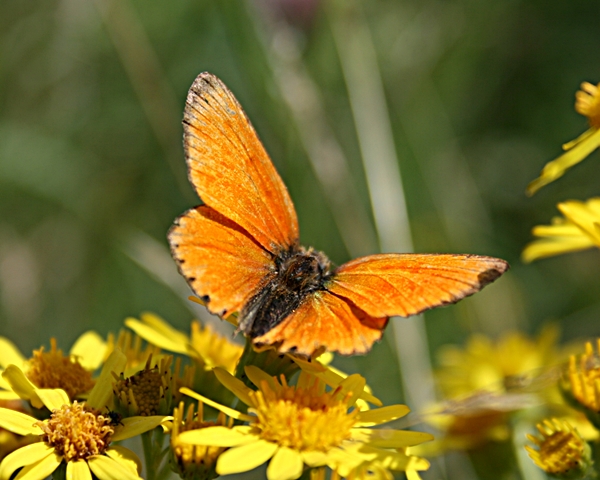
<point x="10" y="354"/>
<point x="125" y="457"/>
<point x="106" y="468"/>
<point x="354" y="384"/>
<point x="21" y="385"/>
<point x="246" y="457"/>
<point x="314" y="458"/>
<point x="19" y="423"/>
<point x="156" y="331"/>
<point x="102" y="391"/>
<point x="286" y="464"/>
<point x="549" y="247"/>
<point x="29" y="455"/>
<point x="234" y="385"/>
<point x="133" y="426"/>
<point x="219" y="436"/>
<point x="53" y="398"/>
<point x="257" y="376"/>
<point x="557" y="167"/>
<point x="230" y="412"/>
<point x="381" y="415"/>
<point x="78" y="470"/>
<point x="89" y="349"/>
<point x="388" y="438"/>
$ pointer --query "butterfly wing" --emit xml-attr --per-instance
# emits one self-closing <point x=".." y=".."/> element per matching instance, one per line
<point x="230" y="169"/>
<point x="407" y="284"/>
<point x="220" y="261"/>
<point x="324" y="320"/>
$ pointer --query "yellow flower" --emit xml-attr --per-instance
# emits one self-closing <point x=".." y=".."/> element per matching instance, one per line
<point x="581" y="386"/>
<point x="588" y="104"/>
<point x="194" y="461"/>
<point x="148" y="392"/>
<point x="485" y="381"/>
<point x="52" y="369"/>
<point x="561" y="451"/>
<point x="579" y="230"/>
<point x="77" y="435"/>
<point x="204" y="345"/>
<point x="300" y="426"/>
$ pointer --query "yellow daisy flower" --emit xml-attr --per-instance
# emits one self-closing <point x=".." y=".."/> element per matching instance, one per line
<point x="587" y="103"/>
<point x="486" y="381"/>
<point x="203" y="345"/>
<point x="76" y="436"/>
<point x="52" y="369"/>
<point x="578" y="230"/>
<point x="295" y="427"/>
<point x="560" y="452"/>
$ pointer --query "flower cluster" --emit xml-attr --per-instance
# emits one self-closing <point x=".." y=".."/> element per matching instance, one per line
<point x="312" y="421"/>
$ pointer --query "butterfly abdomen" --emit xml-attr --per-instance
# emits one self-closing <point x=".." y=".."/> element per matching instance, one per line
<point x="298" y="273"/>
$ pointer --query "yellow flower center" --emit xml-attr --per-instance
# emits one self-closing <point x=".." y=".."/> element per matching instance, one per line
<point x="584" y="378"/>
<point x="587" y="103"/>
<point x="148" y="392"/>
<point x="193" y="461"/>
<point x="560" y="448"/>
<point x="53" y="370"/>
<point x="76" y="433"/>
<point x="302" y="418"/>
<point x="215" y="349"/>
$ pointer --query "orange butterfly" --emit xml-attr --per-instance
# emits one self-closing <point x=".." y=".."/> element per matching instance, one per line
<point x="240" y="251"/>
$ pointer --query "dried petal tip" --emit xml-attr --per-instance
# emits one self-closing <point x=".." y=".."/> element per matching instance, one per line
<point x="560" y="451"/>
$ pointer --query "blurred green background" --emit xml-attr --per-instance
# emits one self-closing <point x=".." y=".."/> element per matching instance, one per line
<point x="478" y="96"/>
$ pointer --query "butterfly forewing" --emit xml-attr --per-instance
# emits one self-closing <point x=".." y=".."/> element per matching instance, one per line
<point x="220" y="261"/>
<point x="230" y="169"/>
<point x="407" y="284"/>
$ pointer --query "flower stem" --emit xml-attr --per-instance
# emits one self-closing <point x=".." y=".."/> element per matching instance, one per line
<point x="154" y="453"/>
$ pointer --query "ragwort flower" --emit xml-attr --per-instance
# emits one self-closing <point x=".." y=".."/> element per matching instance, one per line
<point x="294" y="427"/>
<point x="53" y="369"/>
<point x="587" y="103"/>
<point x="486" y="381"/>
<point x="578" y="230"/>
<point x="560" y="452"/>
<point x="76" y="436"/>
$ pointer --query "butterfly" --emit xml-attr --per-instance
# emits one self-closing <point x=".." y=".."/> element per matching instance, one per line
<point x="240" y="250"/>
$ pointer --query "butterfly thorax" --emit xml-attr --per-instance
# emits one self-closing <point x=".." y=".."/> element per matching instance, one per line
<point x="297" y="273"/>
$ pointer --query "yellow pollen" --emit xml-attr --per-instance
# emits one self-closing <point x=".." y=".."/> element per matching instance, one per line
<point x="145" y="392"/>
<point x="587" y="103"/>
<point x="76" y="433"/>
<point x="194" y="461"/>
<point x="560" y="448"/>
<point x="53" y="370"/>
<point x="584" y="377"/>
<point x="302" y="418"/>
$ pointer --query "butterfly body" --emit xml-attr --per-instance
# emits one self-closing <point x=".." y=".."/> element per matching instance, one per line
<point x="240" y="250"/>
<point x="298" y="273"/>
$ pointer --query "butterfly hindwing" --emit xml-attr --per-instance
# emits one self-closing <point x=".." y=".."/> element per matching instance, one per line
<point x="325" y="320"/>
<point x="230" y="169"/>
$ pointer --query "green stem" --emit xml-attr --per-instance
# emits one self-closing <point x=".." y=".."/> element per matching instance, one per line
<point x="154" y="453"/>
